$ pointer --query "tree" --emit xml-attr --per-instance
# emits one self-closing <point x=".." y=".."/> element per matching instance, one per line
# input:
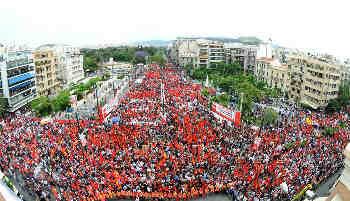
<point x="90" y="63"/>
<point x="342" y="100"/>
<point x="344" y="94"/>
<point x="205" y="92"/>
<point x="333" y="106"/>
<point x="41" y="106"/>
<point x="3" y="105"/>
<point x="270" y="116"/>
<point x="223" y="99"/>
<point x="61" y="101"/>
<point x="158" y="58"/>
<point x="246" y="101"/>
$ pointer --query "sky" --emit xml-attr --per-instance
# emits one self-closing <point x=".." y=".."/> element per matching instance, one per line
<point x="322" y="25"/>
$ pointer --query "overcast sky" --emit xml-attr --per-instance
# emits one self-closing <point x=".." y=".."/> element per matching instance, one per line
<point x="318" y="24"/>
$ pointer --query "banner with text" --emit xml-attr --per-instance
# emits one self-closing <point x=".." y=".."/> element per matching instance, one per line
<point x="227" y="114"/>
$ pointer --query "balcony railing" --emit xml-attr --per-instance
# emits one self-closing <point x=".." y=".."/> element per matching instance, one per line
<point x="19" y="62"/>
<point x="21" y="87"/>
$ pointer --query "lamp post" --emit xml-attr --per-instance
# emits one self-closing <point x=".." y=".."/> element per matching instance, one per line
<point x="97" y="103"/>
<point x="77" y="119"/>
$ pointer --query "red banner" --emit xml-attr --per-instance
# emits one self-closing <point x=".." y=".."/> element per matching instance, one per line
<point x="227" y="114"/>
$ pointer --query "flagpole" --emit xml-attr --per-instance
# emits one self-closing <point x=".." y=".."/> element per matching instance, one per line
<point x="240" y="110"/>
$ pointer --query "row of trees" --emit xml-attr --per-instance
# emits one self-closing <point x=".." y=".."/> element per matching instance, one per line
<point x="44" y="106"/>
<point x="231" y="79"/>
<point x="87" y="87"/>
<point x="92" y="57"/>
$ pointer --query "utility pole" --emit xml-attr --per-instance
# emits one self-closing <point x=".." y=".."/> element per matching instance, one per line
<point x="77" y="119"/>
<point x="97" y="104"/>
<point x="240" y="109"/>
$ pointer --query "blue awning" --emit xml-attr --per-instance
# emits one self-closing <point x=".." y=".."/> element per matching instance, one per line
<point x="20" y="78"/>
<point x="24" y="84"/>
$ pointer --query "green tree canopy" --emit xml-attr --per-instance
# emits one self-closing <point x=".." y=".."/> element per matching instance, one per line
<point x="342" y="100"/>
<point x="90" y="63"/>
<point x="270" y="116"/>
<point x="231" y="79"/>
<point x="41" y="106"/>
<point x="158" y="58"/>
<point x="61" y="101"/>
<point x="3" y="105"/>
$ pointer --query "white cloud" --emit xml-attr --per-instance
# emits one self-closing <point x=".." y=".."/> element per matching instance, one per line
<point x="321" y="24"/>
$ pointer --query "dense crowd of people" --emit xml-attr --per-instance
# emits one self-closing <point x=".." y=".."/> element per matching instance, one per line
<point x="170" y="147"/>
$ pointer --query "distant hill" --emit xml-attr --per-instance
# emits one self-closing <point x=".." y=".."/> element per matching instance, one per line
<point x="250" y="40"/>
<point x="154" y="43"/>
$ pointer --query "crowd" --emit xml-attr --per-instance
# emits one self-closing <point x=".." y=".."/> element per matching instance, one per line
<point x="169" y="149"/>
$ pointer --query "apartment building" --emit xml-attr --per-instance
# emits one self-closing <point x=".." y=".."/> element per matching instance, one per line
<point x="199" y="52"/>
<point x="17" y="76"/>
<point x="46" y="63"/>
<point x="210" y="53"/>
<point x="117" y="69"/>
<point x="273" y="73"/>
<point x="345" y="71"/>
<point x="245" y="55"/>
<point x="314" y="79"/>
<point x="70" y="63"/>
<point x="184" y="51"/>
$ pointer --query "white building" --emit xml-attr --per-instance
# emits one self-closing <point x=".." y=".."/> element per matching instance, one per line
<point x="265" y="50"/>
<point x="70" y="63"/>
<point x="196" y="51"/>
<point x="184" y="51"/>
<point x="117" y="69"/>
<point x="17" y="76"/>
<point x="245" y="55"/>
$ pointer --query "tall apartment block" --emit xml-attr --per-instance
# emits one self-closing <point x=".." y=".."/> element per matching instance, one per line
<point x="184" y="51"/>
<point x="46" y="64"/>
<point x="70" y="63"/>
<point x="17" y="76"/>
<point x="314" y="80"/>
<point x="199" y="52"/>
<point x="245" y="55"/>
<point x="210" y="53"/>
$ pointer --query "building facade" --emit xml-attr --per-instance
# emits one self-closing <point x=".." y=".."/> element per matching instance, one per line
<point x="245" y="55"/>
<point x="345" y="71"/>
<point x="199" y="52"/>
<point x="46" y="63"/>
<point x="314" y="80"/>
<point x="70" y="63"/>
<point x="118" y="69"/>
<point x="184" y="51"/>
<point x="210" y="53"/>
<point x="17" y="76"/>
<point x="273" y="73"/>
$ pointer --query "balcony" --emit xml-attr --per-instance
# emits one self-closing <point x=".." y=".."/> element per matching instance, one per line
<point x="13" y="91"/>
<point x="19" y="63"/>
<point x="20" y="78"/>
<point x="17" y="103"/>
<point x="18" y="71"/>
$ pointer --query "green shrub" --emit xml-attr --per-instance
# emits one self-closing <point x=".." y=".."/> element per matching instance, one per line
<point x="289" y="145"/>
